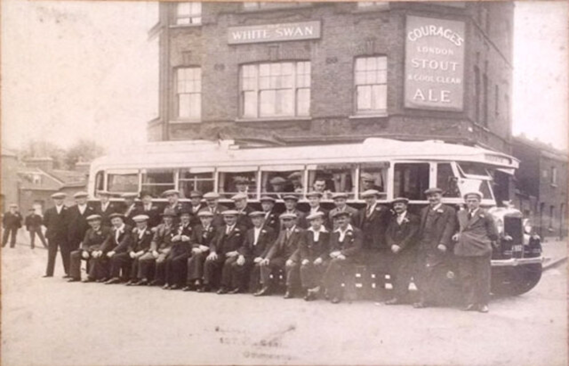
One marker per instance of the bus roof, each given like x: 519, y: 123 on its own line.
x: 211, y: 154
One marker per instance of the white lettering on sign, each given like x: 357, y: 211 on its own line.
x: 274, y: 32
x: 434, y: 64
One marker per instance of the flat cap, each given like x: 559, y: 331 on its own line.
x: 129, y: 195
x: 288, y: 215
x: 94, y: 217
x: 401, y: 199
x: 278, y: 180
x: 295, y: 175
x: 340, y: 213
x: 433, y: 190
x: 185, y: 211
x: 290, y: 197
x: 314, y: 194
x: 205, y: 213
x: 256, y: 213
x: 370, y: 193
x: 14, y: 205
x: 195, y: 194
x: 58, y: 195
x: 473, y: 193
x: 339, y: 195
x: 141, y: 218
x: 103, y: 193
x: 80, y: 194
x: 367, y: 177
x: 240, y: 179
x: 116, y: 214
x: 211, y: 195
x: 170, y: 192
x: 267, y: 198
x: 239, y: 196
x: 230, y: 213
x: 145, y: 193
x: 169, y: 212
x: 315, y: 215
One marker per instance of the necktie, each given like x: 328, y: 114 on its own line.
x: 288, y: 234
x: 469, y: 215
x: 228, y: 230
x: 369, y: 211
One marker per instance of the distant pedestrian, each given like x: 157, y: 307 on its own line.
x: 33, y: 225
x: 11, y: 222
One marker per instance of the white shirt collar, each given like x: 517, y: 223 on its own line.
x: 321, y: 230
x: 348, y: 228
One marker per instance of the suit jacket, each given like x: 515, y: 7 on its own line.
x: 444, y: 226
x: 251, y: 250
x: 33, y: 221
x: 300, y: 220
x: 476, y: 234
x: 12, y: 221
x: 217, y: 216
x: 111, y: 208
x: 179, y: 246
x: 129, y: 213
x: 225, y: 243
x: 163, y: 237
x: 94, y: 239
x: 326, y: 213
x: 153, y: 214
x: 119, y: 244
x: 56, y: 224
x: 286, y: 248
x: 141, y: 240
x: 195, y: 220
x: 404, y: 234
x: 373, y: 227
x: 243, y: 219
x: 352, y: 244
x: 272, y: 221
x: 201, y: 236
x: 349, y: 209
x: 78, y: 224
x: 310, y: 249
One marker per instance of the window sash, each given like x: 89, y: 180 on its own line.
x: 188, y: 13
x: 370, y: 79
x: 188, y: 93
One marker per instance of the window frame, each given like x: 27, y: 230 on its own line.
x: 177, y: 94
x: 372, y: 112
x: 176, y: 15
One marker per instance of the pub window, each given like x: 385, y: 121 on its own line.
x: 411, y: 180
x: 195, y: 179
x: 371, y: 85
x: 447, y: 181
x: 189, y: 13
x: 332, y: 178
x: 156, y: 181
x: 233, y: 180
x: 122, y: 182
x: 277, y: 181
x: 275, y: 90
x: 374, y: 176
x: 189, y: 93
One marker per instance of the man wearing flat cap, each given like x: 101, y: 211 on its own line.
x: 212, y: 201
x: 290, y: 203
x: 11, y: 223
x: 94, y: 238
x: 313, y: 255
x: 314, y: 198
x: 242, y: 185
x: 202, y: 236
x: 149, y: 209
x: 174, y: 204
x: 223, y: 252
x: 142, y: 236
x: 473, y: 249
x: 177, y: 259
x: 282, y: 256
x: 340, y: 201
x: 130, y: 208
x: 401, y: 238
x: 159, y: 248
x: 78, y: 225
x: 195, y: 206
x: 368, y: 183
x: 33, y: 223
x: 118, y: 242
x: 105, y: 207
x: 296, y: 181
x: 278, y: 187
x: 438, y: 224
x: 56, y: 220
x: 243, y: 210
x: 271, y: 216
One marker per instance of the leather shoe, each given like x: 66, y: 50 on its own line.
x: 73, y: 279
x: 235, y: 291
x: 166, y: 287
x: 47, y: 276
x: 262, y: 292
x: 469, y: 307
x: 142, y: 282
x: 204, y: 288
x: 288, y: 295
x: 483, y: 308
x: 88, y: 279
x: 394, y: 301
x: 66, y: 276
x: 221, y: 291
x: 310, y: 296
x: 175, y: 287
x: 112, y: 281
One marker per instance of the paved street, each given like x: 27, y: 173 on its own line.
x: 51, y: 322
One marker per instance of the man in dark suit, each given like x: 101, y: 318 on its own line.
x: 33, y: 225
x: 340, y: 200
x: 345, y: 245
x: 212, y: 201
x: 243, y: 210
x: 282, y: 256
x: 195, y: 207
x: 130, y: 208
x: 314, y: 255
x: 176, y: 260
x: 290, y: 202
x: 258, y: 241
x: 314, y: 199
x: 118, y: 242
x: 11, y: 223
x: 271, y: 218
x: 105, y: 207
x: 202, y: 236
x: 401, y: 238
x: 149, y: 209
x: 438, y: 224
x: 141, y: 239
x: 223, y: 252
x: 477, y: 231
x: 78, y: 225
x: 94, y: 238
x: 56, y: 220
x: 174, y: 204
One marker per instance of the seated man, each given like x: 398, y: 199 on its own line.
x: 119, y: 258
x: 314, y: 255
x: 345, y: 245
x: 177, y: 258
x: 141, y: 239
x: 94, y: 239
x: 223, y: 252
x: 118, y: 242
x: 202, y: 236
x: 258, y: 241
x: 159, y: 248
x: 283, y: 254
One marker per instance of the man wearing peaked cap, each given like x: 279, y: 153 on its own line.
x: 174, y: 204
x: 271, y: 218
x: 202, y: 236
x: 78, y: 225
x: 212, y: 201
x: 105, y: 207
x: 340, y: 200
x: 56, y: 220
x: 195, y: 206
x: 243, y: 210
x: 148, y: 208
x: 290, y: 202
x: 314, y: 199
x: 141, y: 239
x: 11, y: 223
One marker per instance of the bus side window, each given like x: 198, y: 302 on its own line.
x: 329, y: 179
x: 231, y: 183
x: 447, y: 181
x: 411, y: 180
x: 99, y: 181
x: 191, y: 180
x: 156, y: 181
x: 374, y: 176
x: 122, y: 183
x: 279, y: 183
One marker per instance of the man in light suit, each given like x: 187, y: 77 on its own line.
x: 477, y: 231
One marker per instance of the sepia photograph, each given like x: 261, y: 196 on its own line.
x: 284, y: 183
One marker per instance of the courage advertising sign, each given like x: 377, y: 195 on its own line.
x: 434, y: 64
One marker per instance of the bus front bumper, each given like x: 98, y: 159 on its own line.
x: 514, y: 262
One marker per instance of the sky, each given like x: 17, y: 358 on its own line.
x: 86, y: 69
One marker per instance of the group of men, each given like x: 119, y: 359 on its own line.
x: 204, y: 246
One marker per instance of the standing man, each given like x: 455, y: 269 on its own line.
x: 33, y: 225
x: 319, y: 185
x: 340, y: 200
x: 141, y: 239
x: 242, y: 185
x: 11, y: 222
x: 290, y: 202
x: 176, y: 260
x: 174, y: 204
x: 149, y: 209
x: 271, y: 217
x: 78, y: 224
x: 314, y: 198
x: 243, y: 210
x: 438, y: 224
x: 130, y: 208
x: 56, y: 220
x: 282, y: 256
x: 345, y: 246
x: 195, y: 206
x: 314, y: 255
x: 117, y: 243
x: 212, y: 201
x: 94, y: 238
x: 105, y: 207
x: 401, y: 238
x: 202, y: 236
x: 474, y: 252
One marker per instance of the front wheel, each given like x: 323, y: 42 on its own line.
x: 515, y: 281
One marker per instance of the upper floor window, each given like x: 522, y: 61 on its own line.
x: 189, y: 93
x: 371, y: 85
x: 275, y: 90
x: 189, y: 13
